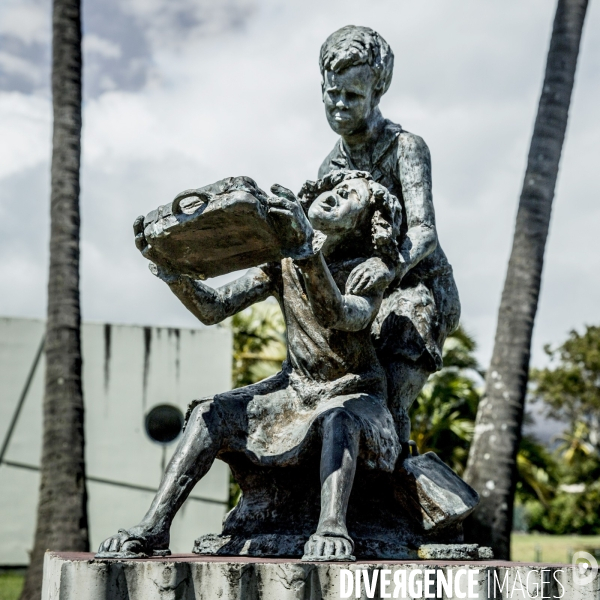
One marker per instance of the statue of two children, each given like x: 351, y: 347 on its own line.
x: 367, y: 312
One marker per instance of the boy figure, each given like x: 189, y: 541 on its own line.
x: 330, y: 397
x: 421, y: 306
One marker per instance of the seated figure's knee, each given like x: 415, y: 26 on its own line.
x: 339, y: 419
x: 201, y: 407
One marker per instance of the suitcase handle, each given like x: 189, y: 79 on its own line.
x: 204, y: 197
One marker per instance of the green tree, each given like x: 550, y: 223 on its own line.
x: 443, y: 420
x: 538, y: 475
x: 569, y: 390
x: 492, y: 463
x: 568, y: 512
x: 259, y: 344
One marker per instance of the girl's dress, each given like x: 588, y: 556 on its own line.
x: 274, y: 422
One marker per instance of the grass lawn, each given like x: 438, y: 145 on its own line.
x: 536, y: 547
x: 11, y: 583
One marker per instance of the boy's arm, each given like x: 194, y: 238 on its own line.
x: 371, y: 276
x: 332, y: 309
x: 414, y: 172
x: 211, y: 305
x: 414, y: 167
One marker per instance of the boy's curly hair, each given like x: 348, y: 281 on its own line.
x: 353, y: 45
x: 387, y: 212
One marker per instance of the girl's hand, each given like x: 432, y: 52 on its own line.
x: 291, y: 225
x: 141, y: 243
x: 167, y: 275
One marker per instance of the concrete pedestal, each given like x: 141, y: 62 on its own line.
x: 78, y: 576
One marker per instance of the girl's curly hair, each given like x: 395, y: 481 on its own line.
x: 387, y: 212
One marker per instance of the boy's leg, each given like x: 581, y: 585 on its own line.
x: 405, y: 382
x: 193, y: 458
x: 341, y: 436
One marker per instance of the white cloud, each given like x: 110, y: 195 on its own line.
x: 15, y: 65
x: 94, y: 44
x: 25, y: 42
x: 177, y: 22
x: 245, y: 99
x: 26, y: 19
x: 25, y: 123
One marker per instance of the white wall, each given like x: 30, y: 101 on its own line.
x: 127, y: 371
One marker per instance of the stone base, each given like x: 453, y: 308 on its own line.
x: 390, y: 515
x: 78, y: 576
x: 272, y: 545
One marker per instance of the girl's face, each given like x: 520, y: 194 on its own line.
x: 349, y: 99
x: 341, y: 210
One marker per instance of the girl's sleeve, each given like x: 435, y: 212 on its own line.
x: 212, y: 306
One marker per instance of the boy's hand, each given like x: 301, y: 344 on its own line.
x: 373, y: 275
x: 290, y: 223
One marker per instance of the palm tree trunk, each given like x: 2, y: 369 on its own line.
x: 491, y: 468
x: 62, y: 510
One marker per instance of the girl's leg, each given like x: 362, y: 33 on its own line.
x: 193, y: 458
x: 339, y: 454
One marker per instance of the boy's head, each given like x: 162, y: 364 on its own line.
x: 349, y: 204
x: 356, y: 68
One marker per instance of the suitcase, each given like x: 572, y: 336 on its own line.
x: 214, y: 230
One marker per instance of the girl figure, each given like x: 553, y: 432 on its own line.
x: 331, y: 393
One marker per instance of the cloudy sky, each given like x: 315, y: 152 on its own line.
x: 180, y: 93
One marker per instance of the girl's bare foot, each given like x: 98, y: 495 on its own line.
x: 137, y: 542
x: 328, y: 547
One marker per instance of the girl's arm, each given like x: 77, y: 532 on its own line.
x: 333, y: 309
x: 211, y: 305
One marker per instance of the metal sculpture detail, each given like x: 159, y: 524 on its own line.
x: 321, y: 450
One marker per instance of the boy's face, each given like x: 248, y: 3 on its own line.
x: 349, y: 98
x: 342, y: 209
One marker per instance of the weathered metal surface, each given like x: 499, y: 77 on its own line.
x: 390, y: 515
x: 320, y: 450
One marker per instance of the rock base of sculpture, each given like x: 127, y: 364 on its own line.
x: 271, y: 545
x: 77, y: 576
x: 398, y: 515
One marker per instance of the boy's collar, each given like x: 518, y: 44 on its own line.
x: 390, y: 132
